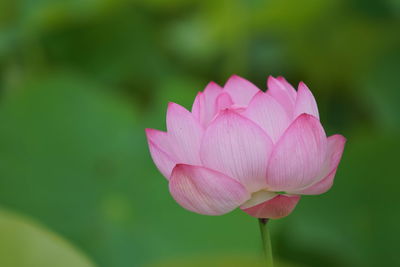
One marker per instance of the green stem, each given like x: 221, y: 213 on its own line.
x: 266, y: 242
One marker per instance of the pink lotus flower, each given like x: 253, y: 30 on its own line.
x: 242, y: 147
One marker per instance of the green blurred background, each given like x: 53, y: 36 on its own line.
x: 81, y: 79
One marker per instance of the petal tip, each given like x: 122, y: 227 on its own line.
x: 212, y: 84
x: 236, y: 78
x: 172, y: 104
x: 303, y: 86
x: 176, y: 108
x: 233, y: 78
x: 341, y: 137
x: 306, y: 117
x: 150, y: 133
x: 271, y: 79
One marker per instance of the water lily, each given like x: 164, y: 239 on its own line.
x: 240, y: 147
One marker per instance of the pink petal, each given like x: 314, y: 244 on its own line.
x: 287, y: 86
x: 278, y: 207
x: 204, y: 108
x: 305, y: 102
x: 205, y: 191
x: 298, y: 156
x: 241, y: 90
x: 223, y: 101
x: 196, y: 107
x: 160, y: 139
x: 269, y: 114
x: 184, y: 134
x: 334, y: 154
x: 278, y: 90
x: 234, y: 145
x: 164, y: 162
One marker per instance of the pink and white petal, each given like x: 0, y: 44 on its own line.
x: 320, y: 187
x: 336, y: 145
x: 204, y: 105
x: 236, y: 146
x: 305, y: 102
x: 184, y: 134
x: 334, y: 154
x: 287, y: 86
x: 211, y: 92
x: 158, y: 146
x: 278, y: 207
x: 205, y: 191
x: 258, y: 198
x: 196, y: 107
x: 299, y: 155
x: 241, y: 90
x: 269, y: 114
x: 278, y: 90
x: 223, y: 101
x: 164, y: 162
x: 160, y: 139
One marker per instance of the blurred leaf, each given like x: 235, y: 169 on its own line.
x: 382, y: 92
x: 24, y: 243
x: 220, y: 261
x: 66, y: 145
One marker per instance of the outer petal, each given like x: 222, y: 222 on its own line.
x: 269, y: 114
x: 196, y: 107
x: 241, y: 90
x: 204, y: 108
x: 278, y: 207
x: 287, y: 86
x: 234, y: 145
x: 305, y: 102
x: 184, y: 134
x: 334, y: 154
x: 205, y: 191
x: 164, y: 161
x: 278, y: 90
x: 298, y: 156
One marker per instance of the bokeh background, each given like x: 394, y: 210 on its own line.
x: 81, y: 79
